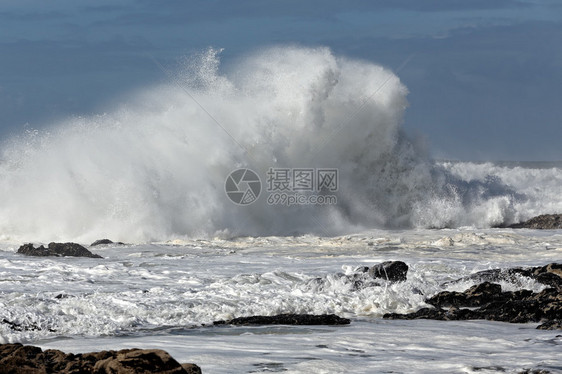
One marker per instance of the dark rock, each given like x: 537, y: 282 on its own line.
x: 105, y: 242
x: 287, y: 319
x: 19, y: 327
x: 191, y: 368
x: 487, y: 301
x: 17, y: 358
x: 555, y: 324
x: 542, y: 222
x: 474, y: 296
x: 27, y: 326
x: 57, y: 250
x: 515, y: 306
x: 550, y: 275
x: 394, y: 271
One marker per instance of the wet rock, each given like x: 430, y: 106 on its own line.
x: 487, y: 301
x: 17, y: 358
x: 555, y: 324
x: 550, y: 275
x: 57, y: 250
x: 14, y: 326
x: 515, y: 306
x: 542, y: 222
x: 105, y: 242
x: 287, y: 319
x: 475, y: 296
x: 394, y: 271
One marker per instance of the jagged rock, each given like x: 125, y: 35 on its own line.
x: 394, y: 271
x: 515, y: 306
x: 17, y: 358
x: 550, y: 275
x: 57, y: 250
x: 542, y: 222
x: 487, y: 301
x: 287, y: 319
x: 475, y: 296
x: 105, y: 242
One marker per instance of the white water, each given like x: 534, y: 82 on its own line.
x: 160, y: 295
x: 155, y: 167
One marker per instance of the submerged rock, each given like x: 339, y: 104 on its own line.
x: 27, y: 326
x: 17, y: 358
x: 487, y: 301
x: 287, y: 319
x: 542, y: 222
x: 57, y: 250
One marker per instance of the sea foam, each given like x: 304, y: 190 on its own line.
x: 155, y: 167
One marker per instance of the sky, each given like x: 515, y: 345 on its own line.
x: 484, y: 76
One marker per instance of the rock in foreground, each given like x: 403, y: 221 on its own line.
x: 57, y: 250
x: 17, y: 358
x: 287, y: 319
x: 542, y: 222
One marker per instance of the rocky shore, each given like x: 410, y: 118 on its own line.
x: 542, y: 222
x: 486, y: 300
x: 26, y: 359
x: 57, y: 250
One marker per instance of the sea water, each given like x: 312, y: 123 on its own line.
x: 167, y: 295
x: 153, y: 172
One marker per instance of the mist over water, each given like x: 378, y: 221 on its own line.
x: 155, y: 168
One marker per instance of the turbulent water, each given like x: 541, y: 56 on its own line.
x: 155, y: 167
x: 166, y: 295
x: 153, y: 173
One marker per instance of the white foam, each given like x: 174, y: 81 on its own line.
x: 155, y: 168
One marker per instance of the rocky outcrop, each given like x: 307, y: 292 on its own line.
x: 550, y: 275
x: 393, y: 271
x: 487, y: 301
x: 17, y: 358
x: 57, y: 250
x: 105, y: 242
x: 542, y: 222
x: 287, y: 319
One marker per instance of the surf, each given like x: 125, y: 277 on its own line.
x: 155, y: 167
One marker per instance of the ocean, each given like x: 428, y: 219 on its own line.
x: 255, y: 190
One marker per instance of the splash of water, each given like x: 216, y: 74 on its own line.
x: 155, y: 168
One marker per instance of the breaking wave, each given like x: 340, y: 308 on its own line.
x: 155, y: 168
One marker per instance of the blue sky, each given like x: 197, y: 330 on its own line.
x: 484, y: 76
